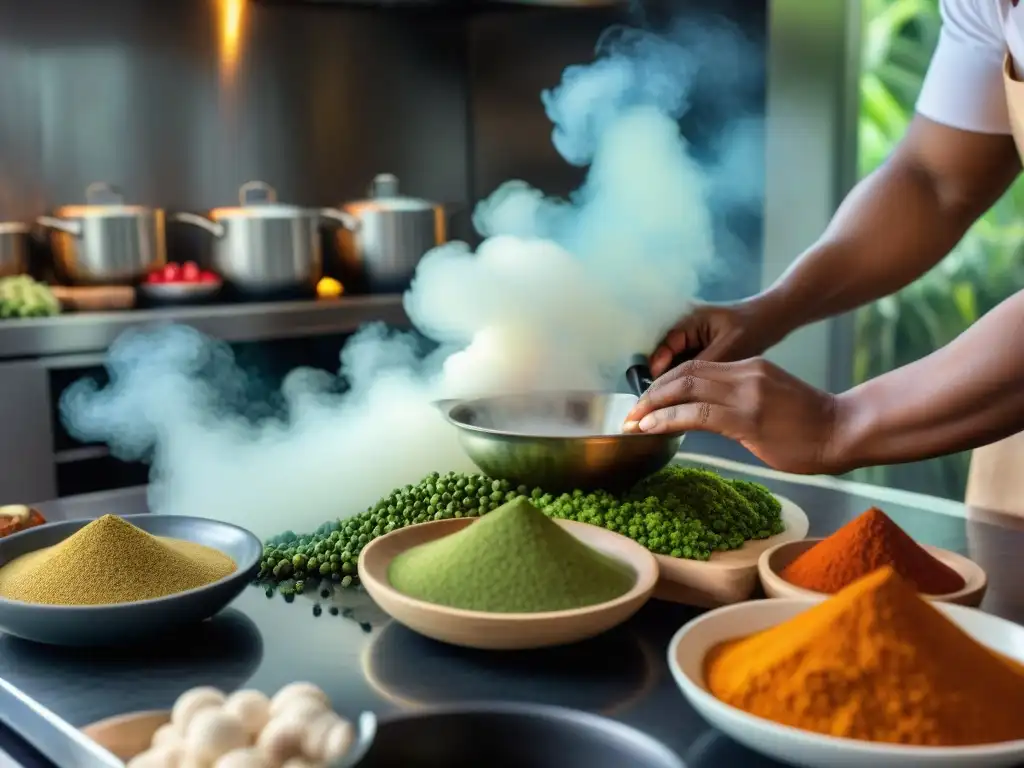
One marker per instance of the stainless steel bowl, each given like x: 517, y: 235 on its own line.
x: 559, y: 441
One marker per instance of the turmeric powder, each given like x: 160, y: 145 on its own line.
x: 875, y: 663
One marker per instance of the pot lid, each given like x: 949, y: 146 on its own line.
x: 101, y: 200
x: 384, y: 196
x: 13, y: 228
x: 258, y: 200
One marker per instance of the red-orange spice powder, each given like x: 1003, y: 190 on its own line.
x: 866, y: 544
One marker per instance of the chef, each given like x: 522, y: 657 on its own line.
x: 959, y: 155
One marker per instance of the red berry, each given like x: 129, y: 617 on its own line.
x: 172, y: 273
x: 155, y: 278
x: 208, y: 277
x: 190, y: 272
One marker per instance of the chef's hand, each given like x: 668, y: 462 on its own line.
x: 723, y: 332
x: 783, y: 421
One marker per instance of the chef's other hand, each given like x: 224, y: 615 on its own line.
x: 721, y: 333
x: 785, y: 422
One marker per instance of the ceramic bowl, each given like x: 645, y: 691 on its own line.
x: 772, y: 562
x: 494, y: 735
x: 728, y: 577
x: 127, y: 736
x: 504, y: 631
x: 126, y: 623
x: 792, y: 746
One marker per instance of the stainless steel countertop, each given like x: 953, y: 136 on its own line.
x: 87, y: 332
x: 365, y: 661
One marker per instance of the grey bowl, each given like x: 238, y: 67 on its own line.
x: 559, y: 441
x: 124, y: 623
x: 512, y: 736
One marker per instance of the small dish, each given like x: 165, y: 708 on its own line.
x: 513, y: 734
x: 772, y: 562
x: 691, y: 644
x: 127, y: 736
x: 180, y: 292
x: 124, y: 623
x: 728, y: 577
x: 504, y: 631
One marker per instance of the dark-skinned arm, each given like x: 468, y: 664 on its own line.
x: 896, y: 224
x: 967, y: 394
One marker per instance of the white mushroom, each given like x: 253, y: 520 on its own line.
x: 243, y: 758
x: 281, y: 739
x: 252, y: 708
x: 291, y: 690
x: 213, y: 733
x: 190, y: 702
x: 167, y: 735
x: 158, y: 757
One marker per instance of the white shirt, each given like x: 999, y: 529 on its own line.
x: 964, y: 85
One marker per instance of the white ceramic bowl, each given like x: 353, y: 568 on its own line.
x: 773, y: 561
x: 691, y: 644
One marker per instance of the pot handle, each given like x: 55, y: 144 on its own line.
x: 256, y: 192
x: 67, y: 226
x: 347, y: 220
x: 215, y: 228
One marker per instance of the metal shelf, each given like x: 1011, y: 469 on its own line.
x: 81, y: 333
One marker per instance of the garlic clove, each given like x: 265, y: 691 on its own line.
x: 213, y: 733
x: 243, y: 758
x: 252, y: 708
x: 167, y: 735
x: 281, y: 739
x: 190, y: 702
x: 338, y: 742
x: 301, y: 708
x: 316, y: 733
x: 291, y: 690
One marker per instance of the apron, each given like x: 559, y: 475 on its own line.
x: 995, y: 481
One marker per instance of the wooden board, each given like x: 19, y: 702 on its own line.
x: 728, y: 577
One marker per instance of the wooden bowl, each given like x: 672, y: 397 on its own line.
x: 728, y: 577
x: 126, y: 736
x: 504, y: 631
x: 774, y: 560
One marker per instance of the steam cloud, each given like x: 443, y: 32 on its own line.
x: 559, y: 295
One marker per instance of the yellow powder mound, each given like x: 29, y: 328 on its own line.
x: 877, y: 663
x: 111, y: 561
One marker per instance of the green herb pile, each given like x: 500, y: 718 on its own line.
x: 679, y: 511
x: 21, y: 296
x: 515, y: 560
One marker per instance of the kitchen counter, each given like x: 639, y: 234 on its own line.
x: 364, y: 661
x: 85, y: 332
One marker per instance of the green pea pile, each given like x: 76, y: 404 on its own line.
x: 680, y: 511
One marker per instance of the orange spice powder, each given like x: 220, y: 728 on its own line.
x: 864, y: 545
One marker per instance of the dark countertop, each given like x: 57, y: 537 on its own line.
x: 365, y: 662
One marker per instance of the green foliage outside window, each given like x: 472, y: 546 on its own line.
x: 984, y: 269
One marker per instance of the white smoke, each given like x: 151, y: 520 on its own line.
x: 559, y: 295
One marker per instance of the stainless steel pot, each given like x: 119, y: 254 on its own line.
x: 13, y: 248
x: 263, y: 245
x: 393, y: 235
x: 106, y: 241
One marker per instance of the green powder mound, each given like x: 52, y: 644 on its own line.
x: 513, y: 560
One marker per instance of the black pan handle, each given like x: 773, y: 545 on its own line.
x: 638, y: 375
